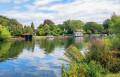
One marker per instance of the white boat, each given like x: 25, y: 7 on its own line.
x: 50, y: 36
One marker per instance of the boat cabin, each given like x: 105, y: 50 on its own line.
x: 78, y: 33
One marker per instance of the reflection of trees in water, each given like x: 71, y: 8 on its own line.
x: 13, y: 49
x: 50, y: 44
x: 30, y: 45
x: 4, y: 47
x: 76, y: 41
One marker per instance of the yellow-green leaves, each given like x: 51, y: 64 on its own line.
x: 4, y: 33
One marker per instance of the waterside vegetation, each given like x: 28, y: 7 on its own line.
x: 67, y: 28
x: 102, y: 58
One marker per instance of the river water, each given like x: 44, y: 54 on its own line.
x: 37, y: 58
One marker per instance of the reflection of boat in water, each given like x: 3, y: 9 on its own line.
x: 78, y: 39
x: 50, y: 37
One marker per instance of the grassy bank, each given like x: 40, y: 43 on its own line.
x: 39, y: 36
x: 113, y: 75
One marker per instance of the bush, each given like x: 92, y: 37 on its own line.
x: 92, y: 69
x: 101, y: 53
x: 115, y: 42
x: 112, y: 63
x: 96, y: 49
x: 4, y: 33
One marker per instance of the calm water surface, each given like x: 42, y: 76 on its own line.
x: 38, y: 58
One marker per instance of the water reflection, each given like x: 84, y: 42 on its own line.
x: 37, y: 58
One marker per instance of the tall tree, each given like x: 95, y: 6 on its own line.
x: 106, y: 24
x: 25, y: 26
x: 71, y: 25
x: 93, y: 27
x: 32, y: 26
x: 40, y: 26
x: 28, y: 30
x: 47, y: 21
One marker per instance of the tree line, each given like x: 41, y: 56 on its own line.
x: 13, y: 27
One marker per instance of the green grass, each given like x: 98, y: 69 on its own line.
x: 113, y: 75
x: 39, y: 36
x: 14, y: 36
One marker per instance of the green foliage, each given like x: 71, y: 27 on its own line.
x: 92, y: 69
x: 48, y: 30
x: 74, y: 54
x: 71, y: 25
x: 115, y: 42
x: 61, y: 26
x: 89, y: 32
x: 93, y: 27
x: 4, y: 33
x: 4, y: 47
x: 13, y: 25
x: 97, y: 62
x: 101, y: 53
x: 115, y: 25
x: 48, y: 22
x: 115, y: 29
x: 106, y: 24
x: 28, y: 29
x: 97, y: 48
x: 25, y: 26
x: 32, y: 26
x: 40, y: 26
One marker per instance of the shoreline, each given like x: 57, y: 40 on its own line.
x: 34, y: 38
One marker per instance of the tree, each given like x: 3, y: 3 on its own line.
x: 71, y: 25
x: 93, y: 27
x: 25, y: 26
x: 115, y: 29
x: 13, y: 25
x: 40, y: 26
x: 106, y: 24
x: 47, y: 21
x: 32, y: 26
x: 46, y: 29
x: 61, y: 27
x: 28, y: 30
x: 4, y: 33
x: 115, y: 25
x: 52, y: 27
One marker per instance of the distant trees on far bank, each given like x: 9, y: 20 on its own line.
x: 48, y: 27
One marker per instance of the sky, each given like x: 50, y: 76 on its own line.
x: 27, y: 11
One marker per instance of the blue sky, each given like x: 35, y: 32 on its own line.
x: 27, y: 11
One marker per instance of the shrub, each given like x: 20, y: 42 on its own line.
x: 101, y: 53
x: 92, y: 69
x: 74, y: 54
x: 115, y: 42
x: 96, y: 49
x: 4, y: 33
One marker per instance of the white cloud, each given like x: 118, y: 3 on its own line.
x: 17, y: 7
x: 43, y: 2
x: 5, y: 1
x: 20, y: 1
x: 85, y: 10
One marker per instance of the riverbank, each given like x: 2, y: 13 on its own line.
x: 36, y: 37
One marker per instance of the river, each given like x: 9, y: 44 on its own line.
x: 37, y: 58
